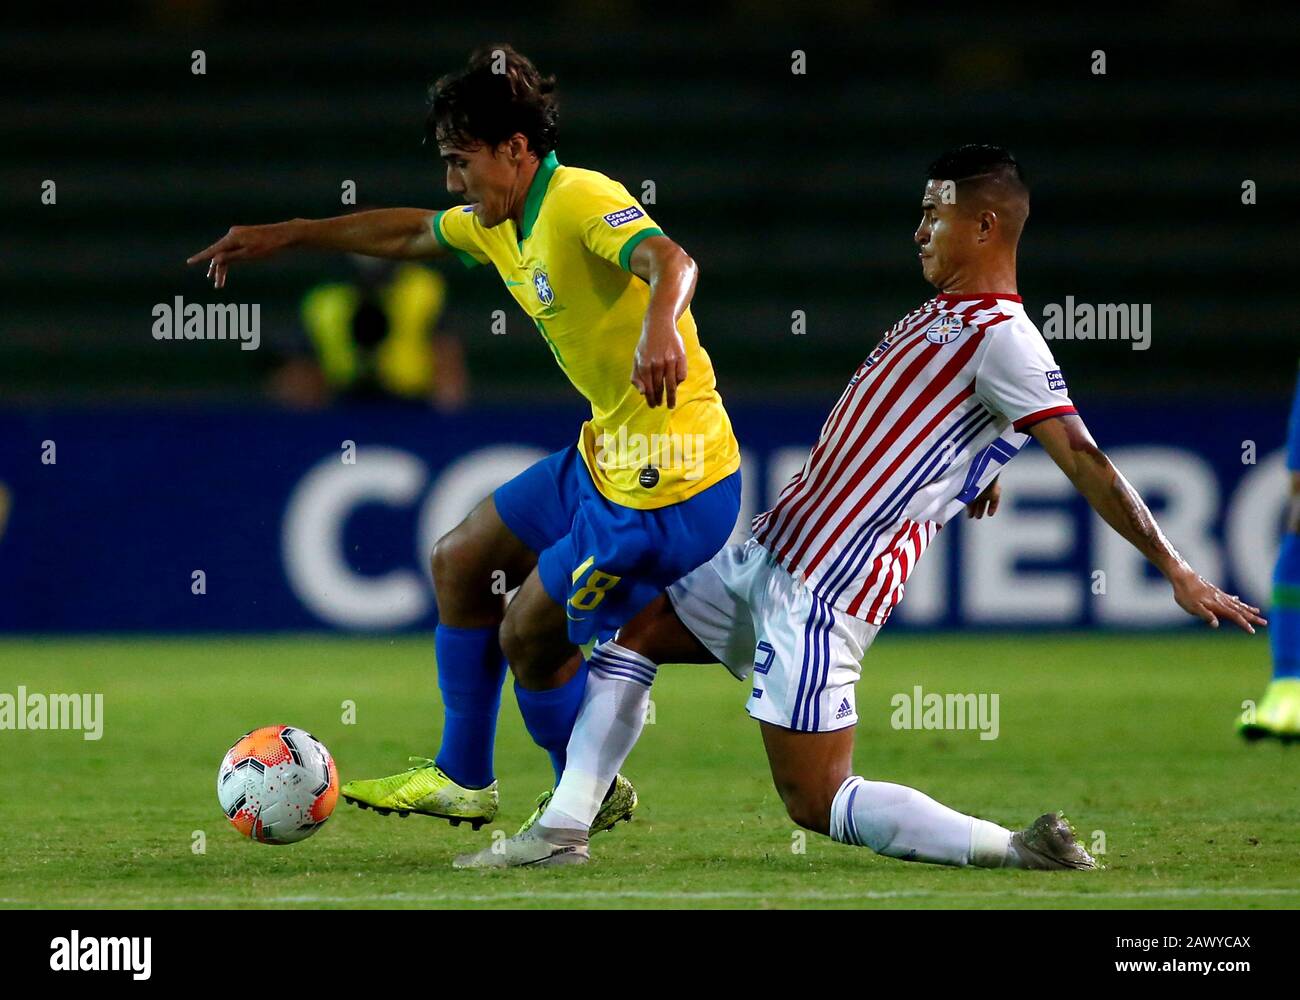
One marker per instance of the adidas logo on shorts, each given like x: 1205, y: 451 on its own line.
x: 844, y: 710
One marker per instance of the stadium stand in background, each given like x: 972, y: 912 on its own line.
x: 794, y: 192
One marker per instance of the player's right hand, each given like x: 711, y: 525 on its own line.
x: 243, y: 243
x: 1202, y: 599
x: 987, y: 502
x: 659, y: 366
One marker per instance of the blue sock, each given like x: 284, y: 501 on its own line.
x: 550, y: 715
x: 1284, y: 616
x: 471, y: 671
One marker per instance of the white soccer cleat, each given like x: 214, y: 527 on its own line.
x: 530, y: 848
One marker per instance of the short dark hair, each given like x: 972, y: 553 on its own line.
x: 977, y: 160
x: 497, y: 94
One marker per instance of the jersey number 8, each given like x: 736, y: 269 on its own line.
x: 598, y: 584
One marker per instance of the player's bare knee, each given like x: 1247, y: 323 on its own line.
x: 525, y: 653
x: 514, y: 648
x: 657, y: 633
x: 448, y: 555
x: 458, y: 571
x: 807, y: 806
x: 639, y: 633
x: 532, y: 665
x: 811, y: 814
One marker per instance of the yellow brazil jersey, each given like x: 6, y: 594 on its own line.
x: 567, y: 266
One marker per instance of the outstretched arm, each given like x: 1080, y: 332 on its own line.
x: 660, y: 363
x: 1067, y: 440
x: 402, y: 233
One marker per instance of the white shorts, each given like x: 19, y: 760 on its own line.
x: 804, y: 655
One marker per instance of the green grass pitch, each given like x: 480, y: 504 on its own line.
x: 1131, y: 736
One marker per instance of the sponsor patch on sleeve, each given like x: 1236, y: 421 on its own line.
x: 1055, y: 381
x: 616, y: 219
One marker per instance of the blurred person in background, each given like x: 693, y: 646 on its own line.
x: 376, y: 336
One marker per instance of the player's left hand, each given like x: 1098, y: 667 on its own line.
x: 987, y: 502
x: 1202, y: 599
x: 660, y: 364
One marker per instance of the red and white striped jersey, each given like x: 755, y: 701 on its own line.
x: 924, y: 425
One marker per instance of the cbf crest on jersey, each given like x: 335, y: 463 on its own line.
x: 542, y: 285
x: 944, y: 330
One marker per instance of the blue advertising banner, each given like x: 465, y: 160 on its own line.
x: 265, y: 520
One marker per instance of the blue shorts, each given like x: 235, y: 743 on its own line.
x: 601, y: 561
x: 1293, y: 433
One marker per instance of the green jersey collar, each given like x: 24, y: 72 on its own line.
x: 536, y: 192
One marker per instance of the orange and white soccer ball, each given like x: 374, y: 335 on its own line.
x: 278, y: 785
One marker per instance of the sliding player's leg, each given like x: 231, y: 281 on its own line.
x: 812, y: 772
x: 808, y: 770
x: 808, y: 662
x: 699, y: 620
x: 713, y: 625
x: 1278, y: 712
x: 591, y: 796
x: 612, y: 563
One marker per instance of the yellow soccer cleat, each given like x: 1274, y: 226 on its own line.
x: 1277, y: 715
x: 619, y: 805
x: 425, y: 789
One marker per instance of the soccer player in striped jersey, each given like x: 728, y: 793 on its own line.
x: 594, y: 533
x: 1278, y: 713
x: 954, y: 390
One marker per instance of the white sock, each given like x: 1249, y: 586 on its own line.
x: 900, y: 822
x: 609, y: 722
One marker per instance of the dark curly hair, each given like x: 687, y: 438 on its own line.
x: 497, y: 94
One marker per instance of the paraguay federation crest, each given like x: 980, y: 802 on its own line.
x: 944, y: 330
x: 542, y: 285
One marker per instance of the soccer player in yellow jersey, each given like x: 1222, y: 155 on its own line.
x: 592, y: 534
